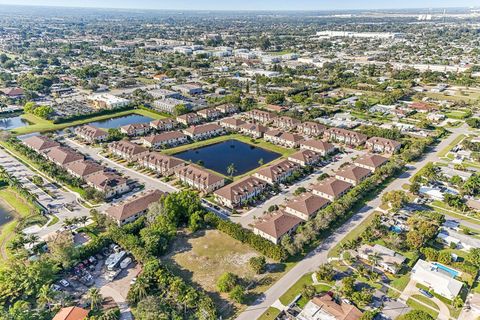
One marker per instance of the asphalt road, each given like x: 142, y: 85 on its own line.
x: 319, y: 255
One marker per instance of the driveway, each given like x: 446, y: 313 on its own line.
x: 118, y: 289
x: 411, y: 289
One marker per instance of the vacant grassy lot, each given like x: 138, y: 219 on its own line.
x: 42, y: 125
x: 201, y: 258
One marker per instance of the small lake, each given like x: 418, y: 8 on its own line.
x: 120, y: 121
x: 13, y: 123
x: 219, y: 156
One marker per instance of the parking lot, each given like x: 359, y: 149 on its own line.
x: 113, y: 280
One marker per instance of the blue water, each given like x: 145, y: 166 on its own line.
x: 451, y: 272
x: 396, y: 229
x: 120, y: 121
x: 219, y: 156
x: 13, y: 123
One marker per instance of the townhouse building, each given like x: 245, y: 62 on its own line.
x: 240, y: 192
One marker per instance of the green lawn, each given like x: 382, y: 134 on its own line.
x: 42, y: 125
x: 352, y: 235
x: 417, y: 306
x: 442, y: 208
x: 401, y: 282
x: 270, y: 314
x: 456, y: 114
x: 296, y: 289
x: 452, y: 144
x: 20, y: 208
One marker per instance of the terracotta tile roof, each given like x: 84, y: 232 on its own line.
x: 161, y: 160
x: 106, y: 180
x: 63, y: 155
x: 163, y: 122
x: 195, y: 173
x: 194, y: 130
x: 317, y: 144
x: 384, y: 142
x: 233, y: 122
x: 127, y: 147
x: 158, y: 138
x: 71, y: 313
x: 346, y: 133
x: 40, y: 143
x: 241, y: 187
x: 277, y: 224
x: 274, y: 170
x: 332, y: 187
x: 340, y: 311
x: 371, y: 160
x: 90, y: 131
x: 306, y: 156
x: 254, y: 127
x: 307, y: 203
x: 353, y: 172
x: 134, y: 205
x: 291, y: 137
x: 84, y: 168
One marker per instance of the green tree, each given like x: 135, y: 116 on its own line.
x: 237, y: 294
x: 258, y: 264
x: 226, y: 282
x: 95, y: 298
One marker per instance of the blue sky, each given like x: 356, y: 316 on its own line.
x: 251, y: 4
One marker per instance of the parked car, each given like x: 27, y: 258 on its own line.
x: 125, y: 262
x: 64, y: 283
x: 426, y: 293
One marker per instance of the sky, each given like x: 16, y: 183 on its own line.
x: 250, y: 4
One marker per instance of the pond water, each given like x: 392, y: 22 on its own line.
x: 219, y: 156
x: 13, y: 123
x: 5, y: 213
x: 120, y: 121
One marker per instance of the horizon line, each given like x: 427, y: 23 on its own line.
x: 232, y: 10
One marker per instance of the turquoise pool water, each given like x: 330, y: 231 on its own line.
x: 451, y: 272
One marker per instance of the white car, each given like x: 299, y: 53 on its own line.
x: 125, y: 262
x: 64, y: 283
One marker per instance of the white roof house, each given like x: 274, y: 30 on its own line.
x: 437, y: 277
x: 463, y: 241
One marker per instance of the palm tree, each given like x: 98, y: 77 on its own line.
x: 32, y: 239
x: 139, y: 290
x: 374, y: 258
x: 261, y: 162
x: 231, y: 169
x: 83, y: 220
x: 95, y: 298
x: 46, y: 296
